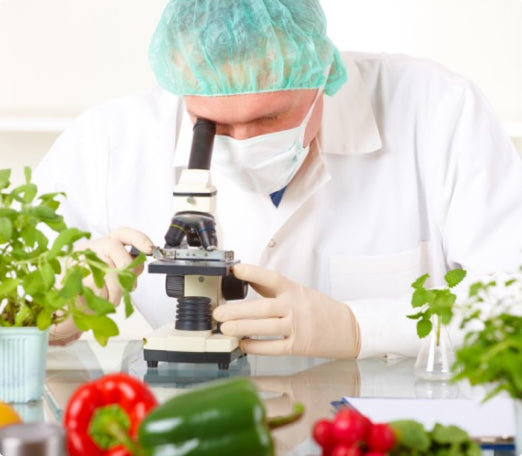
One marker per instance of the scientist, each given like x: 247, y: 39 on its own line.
x: 341, y: 177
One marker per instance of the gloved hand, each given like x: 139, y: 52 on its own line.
x: 310, y: 323
x: 110, y: 249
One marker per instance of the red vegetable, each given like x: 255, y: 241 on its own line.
x: 323, y: 434
x: 380, y: 438
x: 126, y: 399
x: 350, y: 426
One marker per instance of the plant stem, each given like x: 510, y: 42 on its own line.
x: 437, y: 330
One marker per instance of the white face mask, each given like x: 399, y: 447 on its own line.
x: 265, y: 163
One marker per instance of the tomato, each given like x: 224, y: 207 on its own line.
x: 350, y: 426
x: 380, y: 438
x: 323, y: 435
x: 342, y: 449
x: 8, y: 415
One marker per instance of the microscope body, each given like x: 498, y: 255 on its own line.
x: 198, y: 275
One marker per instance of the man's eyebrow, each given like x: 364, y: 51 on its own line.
x: 269, y: 115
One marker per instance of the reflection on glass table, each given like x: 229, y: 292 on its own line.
x: 281, y: 382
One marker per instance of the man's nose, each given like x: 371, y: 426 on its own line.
x: 238, y: 131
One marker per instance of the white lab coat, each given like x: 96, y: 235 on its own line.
x: 411, y: 173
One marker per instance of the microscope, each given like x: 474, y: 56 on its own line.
x: 198, y: 274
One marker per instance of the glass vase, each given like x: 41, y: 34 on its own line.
x: 436, y: 354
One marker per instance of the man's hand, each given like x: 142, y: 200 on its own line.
x: 110, y: 249
x: 310, y: 323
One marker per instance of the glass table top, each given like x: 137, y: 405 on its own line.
x: 281, y: 381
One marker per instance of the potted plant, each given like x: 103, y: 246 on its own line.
x: 41, y: 284
x: 435, y: 311
x: 491, y: 353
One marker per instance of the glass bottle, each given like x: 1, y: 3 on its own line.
x: 436, y: 354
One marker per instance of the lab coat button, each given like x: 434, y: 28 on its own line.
x: 272, y: 243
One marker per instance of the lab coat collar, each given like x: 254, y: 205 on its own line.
x: 348, y: 126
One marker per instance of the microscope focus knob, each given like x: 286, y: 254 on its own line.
x: 233, y: 288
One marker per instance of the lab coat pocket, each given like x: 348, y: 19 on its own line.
x: 377, y: 276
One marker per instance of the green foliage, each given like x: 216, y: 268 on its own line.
x: 442, y: 440
x: 437, y: 302
x: 492, y: 349
x: 42, y: 283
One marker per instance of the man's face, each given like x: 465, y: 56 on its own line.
x: 245, y: 116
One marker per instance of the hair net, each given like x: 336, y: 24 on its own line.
x: 230, y: 47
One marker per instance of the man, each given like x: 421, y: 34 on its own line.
x: 334, y: 204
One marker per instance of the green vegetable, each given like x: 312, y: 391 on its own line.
x: 40, y: 281
x: 434, y: 302
x: 226, y: 418
x: 413, y: 439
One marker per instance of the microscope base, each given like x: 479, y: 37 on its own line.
x: 222, y: 359
x: 175, y: 346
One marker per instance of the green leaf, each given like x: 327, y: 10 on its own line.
x: 28, y: 174
x: 7, y: 286
x: 129, y: 308
x: 411, y: 434
x: 98, y: 275
x: 140, y: 259
x: 25, y: 193
x: 72, y: 283
x: 48, y: 275
x: 6, y: 230
x: 454, y: 277
x: 419, y: 283
x: 420, y: 297
x: 66, y: 238
x: 81, y: 321
x: 43, y: 213
x: 43, y: 320
x: 449, y: 434
x: 5, y: 174
x: 127, y: 280
x: 424, y: 327
x: 33, y: 283
x: 96, y: 303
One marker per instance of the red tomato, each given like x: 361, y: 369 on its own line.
x: 380, y: 438
x: 350, y: 426
x: 342, y: 449
x: 323, y: 435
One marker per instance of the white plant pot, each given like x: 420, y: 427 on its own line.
x: 23, y: 353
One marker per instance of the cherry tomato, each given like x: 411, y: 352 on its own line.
x: 342, y: 449
x: 350, y: 426
x: 323, y: 435
x: 381, y: 438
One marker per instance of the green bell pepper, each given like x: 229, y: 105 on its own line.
x: 224, y: 418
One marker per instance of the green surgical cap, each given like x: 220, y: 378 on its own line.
x: 231, y: 47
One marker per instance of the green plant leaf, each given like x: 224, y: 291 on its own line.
x: 66, y: 238
x: 419, y: 283
x: 97, y: 304
x: 44, y: 320
x: 7, y: 286
x: 5, y: 174
x: 72, y: 283
x: 33, y: 283
x: 6, y: 230
x: 424, y: 327
x: 449, y: 434
x: 420, y: 297
x: 48, y: 275
x: 127, y: 280
x: 25, y: 193
x: 129, y: 308
x: 28, y: 174
x: 454, y: 277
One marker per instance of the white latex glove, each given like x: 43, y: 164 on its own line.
x: 110, y: 249
x: 310, y: 323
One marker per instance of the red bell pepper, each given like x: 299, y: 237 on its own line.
x: 125, y: 400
